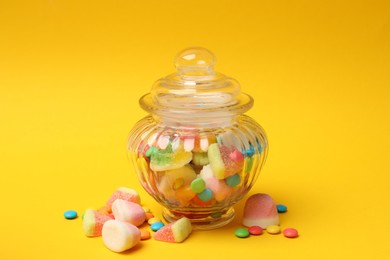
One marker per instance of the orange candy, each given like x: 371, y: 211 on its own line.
x: 148, y: 215
x: 196, y: 201
x: 105, y: 210
x: 145, y: 235
x: 184, y: 195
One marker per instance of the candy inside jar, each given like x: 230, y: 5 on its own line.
x: 196, y: 152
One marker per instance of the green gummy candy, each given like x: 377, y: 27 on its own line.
x: 166, y: 159
x: 161, y: 157
x: 152, y: 150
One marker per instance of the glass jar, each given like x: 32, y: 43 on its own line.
x: 196, y: 153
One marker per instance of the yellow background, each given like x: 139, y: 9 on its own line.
x: 71, y: 74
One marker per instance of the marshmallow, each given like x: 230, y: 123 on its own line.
x: 219, y: 188
x: 93, y: 222
x: 260, y: 210
x: 129, y: 212
x: 119, y: 236
x: 175, y: 232
x: 124, y: 194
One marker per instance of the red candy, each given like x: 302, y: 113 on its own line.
x: 290, y: 232
x: 236, y: 156
x: 255, y: 230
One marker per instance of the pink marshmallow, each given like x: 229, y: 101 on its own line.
x: 260, y: 210
x: 128, y: 212
x: 219, y: 188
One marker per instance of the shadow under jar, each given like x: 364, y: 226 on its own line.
x: 196, y: 153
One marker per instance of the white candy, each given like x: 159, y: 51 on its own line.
x: 120, y: 236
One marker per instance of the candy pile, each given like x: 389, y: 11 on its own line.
x: 119, y: 222
x: 260, y: 212
x: 195, y: 170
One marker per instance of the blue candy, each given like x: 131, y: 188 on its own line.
x: 156, y: 226
x: 250, y: 152
x: 205, y: 195
x: 281, y: 208
x: 70, y: 214
x: 233, y: 180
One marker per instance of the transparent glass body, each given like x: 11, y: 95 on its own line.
x: 196, y: 153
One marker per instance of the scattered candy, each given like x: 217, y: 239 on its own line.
x: 145, y: 235
x: 70, y: 214
x: 149, y: 215
x: 119, y: 236
x: 241, y: 233
x: 255, y: 230
x: 124, y: 194
x: 128, y: 212
x: 290, y: 233
x: 146, y: 209
x: 105, y: 210
x: 198, y: 185
x: 153, y: 220
x: 93, y: 222
x: 281, y: 208
x: 175, y: 232
x: 260, y: 210
x: 156, y: 226
x: 273, y: 229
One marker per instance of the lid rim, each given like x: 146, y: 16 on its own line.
x: 238, y: 108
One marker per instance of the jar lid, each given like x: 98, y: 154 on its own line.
x: 196, y: 88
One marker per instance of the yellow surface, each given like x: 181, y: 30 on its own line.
x: 71, y: 73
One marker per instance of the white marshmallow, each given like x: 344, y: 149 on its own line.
x: 120, y: 236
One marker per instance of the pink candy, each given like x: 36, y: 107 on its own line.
x: 236, y: 156
x: 124, y: 194
x: 290, y: 232
x: 128, y: 212
x: 260, y: 210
